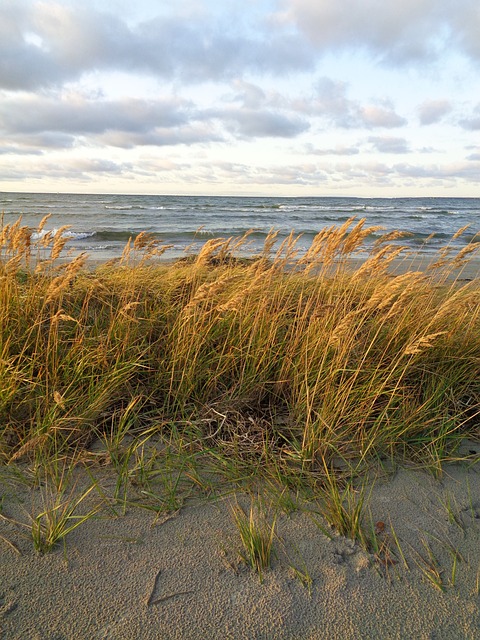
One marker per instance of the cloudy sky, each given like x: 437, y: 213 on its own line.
x: 254, y: 97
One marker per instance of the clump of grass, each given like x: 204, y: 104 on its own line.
x: 59, y: 515
x: 58, y: 519
x: 343, y: 507
x: 257, y: 535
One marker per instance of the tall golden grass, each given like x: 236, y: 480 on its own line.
x: 307, y: 356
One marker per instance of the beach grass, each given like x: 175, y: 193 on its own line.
x: 257, y: 534
x: 276, y: 366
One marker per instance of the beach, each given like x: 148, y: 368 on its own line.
x: 180, y: 575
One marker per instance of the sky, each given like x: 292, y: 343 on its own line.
x: 241, y: 97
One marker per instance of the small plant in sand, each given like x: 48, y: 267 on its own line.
x: 169, y: 495
x: 303, y: 576
x: 58, y: 519
x: 343, y: 507
x: 120, y: 447
x: 453, y: 510
x: 257, y: 534
x: 426, y: 560
x: 299, y: 569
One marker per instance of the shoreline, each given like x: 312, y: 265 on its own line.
x: 469, y: 270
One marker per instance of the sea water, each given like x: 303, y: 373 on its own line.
x: 102, y: 224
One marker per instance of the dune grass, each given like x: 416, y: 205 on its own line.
x: 257, y: 534
x: 277, y: 365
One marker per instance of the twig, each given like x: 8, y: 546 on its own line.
x: 149, y: 601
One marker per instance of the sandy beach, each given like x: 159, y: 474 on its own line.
x: 180, y: 575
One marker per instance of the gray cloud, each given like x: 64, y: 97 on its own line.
x: 450, y: 172
x: 400, y: 32
x: 252, y: 123
x: 19, y: 151
x: 432, y: 111
x: 162, y: 136
x: 387, y: 144
x: 465, y: 27
x: 253, y: 112
x: 47, y: 44
x: 296, y: 174
x: 37, y: 143
x: 250, y: 95
x: 336, y: 151
x: 77, y: 169
x: 473, y: 122
x: 48, y: 122
x: 332, y: 102
x: 97, y: 166
x: 152, y: 170
x: 75, y: 114
x: 344, y: 172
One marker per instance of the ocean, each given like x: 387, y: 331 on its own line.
x: 102, y: 224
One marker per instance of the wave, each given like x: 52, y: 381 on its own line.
x: 136, y: 207
x: 307, y: 229
x: 118, y: 207
x: 74, y: 235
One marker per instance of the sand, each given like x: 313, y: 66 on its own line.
x: 180, y: 576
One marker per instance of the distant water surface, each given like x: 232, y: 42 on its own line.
x: 102, y: 224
